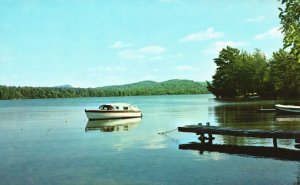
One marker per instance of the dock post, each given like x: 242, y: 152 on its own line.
x: 202, y: 138
x: 210, y: 139
x: 297, y: 143
x: 275, y: 142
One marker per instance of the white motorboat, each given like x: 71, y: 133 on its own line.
x: 287, y: 109
x: 114, y: 111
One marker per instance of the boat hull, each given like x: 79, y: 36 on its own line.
x: 282, y: 109
x: 101, y: 115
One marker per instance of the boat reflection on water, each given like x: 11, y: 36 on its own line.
x: 288, y: 118
x: 112, y: 124
x: 249, y: 151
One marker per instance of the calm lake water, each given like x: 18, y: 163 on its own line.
x: 50, y: 141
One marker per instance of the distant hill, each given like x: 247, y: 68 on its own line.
x: 147, y: 83
x: 64, y: 86
x: 144, y: 88
x: 158, y: 88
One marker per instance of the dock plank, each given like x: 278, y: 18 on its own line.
x: 279, y: 134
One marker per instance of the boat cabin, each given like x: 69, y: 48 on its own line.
x: 114, y: 111
x: 115, y: 107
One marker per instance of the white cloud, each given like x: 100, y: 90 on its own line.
x: 270, y: 34
x: 152, y: 49
x: 210, y: 33
x: 157, y: 57
x: 5, y: 58
x: 107, y: 69
x: 151, y: 52
x: 149, y: 77
x: 131, y: 54
x: 166, y: 1
x: 255, y: 19
x: 120, y: 44
x: 219, y: 45
x: 184, y: 68
x: 2, y: 59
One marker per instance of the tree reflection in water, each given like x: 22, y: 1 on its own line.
x: 245, y: 115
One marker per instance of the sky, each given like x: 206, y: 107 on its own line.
x: 94, y: 43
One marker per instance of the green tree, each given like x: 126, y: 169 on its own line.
x: 262, y: 82
x: 223, y: 84
x: 285, y: 74
x: 239, y: 74
x: 290, y: 20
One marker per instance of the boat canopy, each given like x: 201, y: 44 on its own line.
x: 118, y: 106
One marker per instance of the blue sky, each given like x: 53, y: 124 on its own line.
x: 92, y: 43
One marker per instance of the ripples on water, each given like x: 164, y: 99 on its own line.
x: 51, y: 141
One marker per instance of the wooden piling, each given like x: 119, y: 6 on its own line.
x: 202, y: 138
x: 210, y: 138
x: 275, y: 142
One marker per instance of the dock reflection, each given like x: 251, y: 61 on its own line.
x: 251, y: 151
x: 112, y: 125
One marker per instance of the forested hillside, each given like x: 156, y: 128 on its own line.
x: 135, y: 89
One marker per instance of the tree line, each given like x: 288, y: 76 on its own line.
x: 137, y: 89
x: 241, y: 74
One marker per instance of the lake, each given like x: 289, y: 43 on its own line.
x: 50, y: 141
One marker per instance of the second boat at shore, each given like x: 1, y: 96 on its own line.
x: 287, y: 109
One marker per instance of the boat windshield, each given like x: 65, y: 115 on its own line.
x: 106, y: 107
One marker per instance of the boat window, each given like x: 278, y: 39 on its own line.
x: 110, y: 107
x: 106, y: 107
x: 117, y: 107
x: 125, y: 108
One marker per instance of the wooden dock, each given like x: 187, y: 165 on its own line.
x: 210, y: 130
